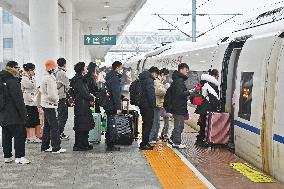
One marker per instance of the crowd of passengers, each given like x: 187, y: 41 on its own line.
x: 34, y: 113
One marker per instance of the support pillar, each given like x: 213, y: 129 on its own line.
x: 43, y: 17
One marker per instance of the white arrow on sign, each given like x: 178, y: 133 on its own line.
x: 88, y: 39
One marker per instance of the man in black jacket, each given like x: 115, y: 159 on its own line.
x: 113, y: 86
x: 179, y: 96
x: 148, y: 103
x: 13, y: 115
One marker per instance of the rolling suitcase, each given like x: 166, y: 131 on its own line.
x: 218, y: 128
x: 104, y: 124
x: 123, y: 126
x: 135, y: 116
x: 95, y: 134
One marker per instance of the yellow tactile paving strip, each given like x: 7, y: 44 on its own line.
x: 171, y: 171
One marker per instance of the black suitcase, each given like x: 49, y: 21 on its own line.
x: 135, y: 116
x: 122, y: 128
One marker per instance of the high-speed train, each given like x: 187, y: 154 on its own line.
x: 251, y: 66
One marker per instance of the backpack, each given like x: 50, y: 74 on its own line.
x: 168, y: 100
x: 135, y: 91
x: 103, y: 98
x: 196, y: 96
x: 3, y: 93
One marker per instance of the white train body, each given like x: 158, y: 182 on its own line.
x: 252, y: 62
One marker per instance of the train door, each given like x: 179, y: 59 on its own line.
x: 228, y: 81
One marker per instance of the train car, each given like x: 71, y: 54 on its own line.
x: 251, y: 66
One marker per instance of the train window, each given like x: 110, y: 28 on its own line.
x: 245, y: 95
x: 193, y: 78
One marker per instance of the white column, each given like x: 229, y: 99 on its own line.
x: 1, y: 37
x: 43, y: 17
x: 76, y: 41
x: 82, y: 46
x: 68, y: 37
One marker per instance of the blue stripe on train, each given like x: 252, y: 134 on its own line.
x: 247, y: 127
x: 277, y: 138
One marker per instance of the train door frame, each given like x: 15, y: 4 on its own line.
x: 231, y: 56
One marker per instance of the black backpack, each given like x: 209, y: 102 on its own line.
x: 168, y: 100
x: 135, y: 91
x: 3, y: 93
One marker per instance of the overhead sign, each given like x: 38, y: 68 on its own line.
x: 99, y: 39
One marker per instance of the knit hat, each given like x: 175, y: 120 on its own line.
x: 50, y: 65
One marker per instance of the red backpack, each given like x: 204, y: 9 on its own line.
x: 196, y: 96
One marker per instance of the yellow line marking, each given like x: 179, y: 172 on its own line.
x: 251, y: 173
x: 171, y: 171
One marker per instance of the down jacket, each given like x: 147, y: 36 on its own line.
x: 83, y: 115
x: 160, y: 92
x: 148, y: 91
x: 210, y: 93
x: 114, y: 87
x: 49, y: 91
x: 179, y: 94
x: 14, y: 112
x: 29, y: 90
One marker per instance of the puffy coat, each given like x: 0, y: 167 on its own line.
x: 63, y: 84
x: 29, y: 90
x: 83, y: 115
x: 179, y: 94
x: 210, y: 92
x: 14, y: 112
x: 148, y: 90
x: 160, y: 92
x: 113, y: 85
x: 49, y: 91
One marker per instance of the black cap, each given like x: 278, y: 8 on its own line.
x: 29, y: 66
x: 12, y: 64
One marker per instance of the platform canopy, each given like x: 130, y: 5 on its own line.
x: 96, y: 14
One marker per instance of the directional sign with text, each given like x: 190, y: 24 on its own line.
x: 99, y: 39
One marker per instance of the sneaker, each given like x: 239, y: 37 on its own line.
x: 146, y: 147
x: 22, y: 160
x: 170, y: 141
x: 112, y: 149
x: 59, y: 151
x: 48, y: 150
x: 8, y: 160
x: 153, y: 142
x: 37, y: 140
x: 64, y: 137
x: 179, y: 146
x: 29, y: 141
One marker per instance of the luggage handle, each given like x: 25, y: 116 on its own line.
x: 127, y: 106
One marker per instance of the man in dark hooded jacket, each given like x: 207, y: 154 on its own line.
x: 113, y: 86
x: 179, y: 94
x: 13, y: 115
x: 147, y: 105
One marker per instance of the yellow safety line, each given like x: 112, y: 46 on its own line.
x: 171, y: 171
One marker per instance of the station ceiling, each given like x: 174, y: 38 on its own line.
x: 96, y: 16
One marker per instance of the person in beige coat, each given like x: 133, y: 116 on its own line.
x: 49, y: 103
x: 29, y: 89
x: 160, y: 91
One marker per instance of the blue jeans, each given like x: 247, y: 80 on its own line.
x: 166, y: 126
x: 156, y: 125
x: 178, y: 129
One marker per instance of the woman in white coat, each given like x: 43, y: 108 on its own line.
x: 29, y: 89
